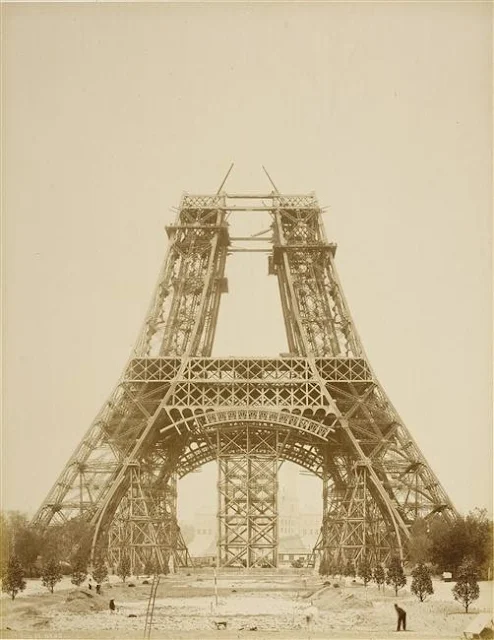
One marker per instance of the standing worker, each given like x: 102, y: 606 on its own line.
x: 402, y: 618
x: 112, y: 605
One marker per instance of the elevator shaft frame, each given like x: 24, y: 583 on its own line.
x: 247, y: 460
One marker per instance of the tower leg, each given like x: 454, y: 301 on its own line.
x: 353, y: 525
x: 145, y: 526
x: 247, y: 498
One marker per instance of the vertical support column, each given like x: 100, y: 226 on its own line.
x: 145, y: 527
x: 233, y: 533
x: 263, y: 511
x: 162, y: 508
x: 131, y: 530
x: 354, y: 526
x: 334, y: 491
x: 247, y: 461
x: 345, y: 515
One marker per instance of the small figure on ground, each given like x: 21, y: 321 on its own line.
x: 311, y: 614
x: 402, y: 618
x: 112, y: 605
x: 98, y: 588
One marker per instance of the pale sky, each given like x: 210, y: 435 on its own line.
x: 111, y: 111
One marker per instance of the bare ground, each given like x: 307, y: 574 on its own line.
x: 257, y: 605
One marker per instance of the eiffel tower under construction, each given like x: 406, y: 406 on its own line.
x: 176, y: 408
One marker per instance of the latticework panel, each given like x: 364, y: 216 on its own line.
x: 183, y: 314
x: 316, y: 317
x: 354, y: 526
x: 247, y: 497
x: 144, y: 527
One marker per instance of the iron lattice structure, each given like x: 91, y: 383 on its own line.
x: 175, y: 408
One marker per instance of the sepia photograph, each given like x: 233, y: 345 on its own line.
x: 246, y: 320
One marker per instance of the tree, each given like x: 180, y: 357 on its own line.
x: 466, y: 589
x: 379, y: 575
x: 365, y: 571
x: 68, y: 540
x: 479, y: 533
x: 13, y: 577
x: 63, y: 541
x: 100, y: 572
x: 20, y: 539
x: 465, y: 538
x: 28, y: 546
x: 419, y: 545
x: 421, y: 582
x: 123, y: 569
x: 5, y: 538
x: 395, y: 575
x: 51, y: 574
x: 79, y: 572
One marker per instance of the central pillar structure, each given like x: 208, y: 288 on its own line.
x: 247, y: 460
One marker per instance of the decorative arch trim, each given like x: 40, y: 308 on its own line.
x: 212, y: 419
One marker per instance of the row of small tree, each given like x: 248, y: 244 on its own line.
x: 13, y: 580
x: 99, y: 571
x: 13, y: 575
x: 392, y: 575
x: 466, y: 589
